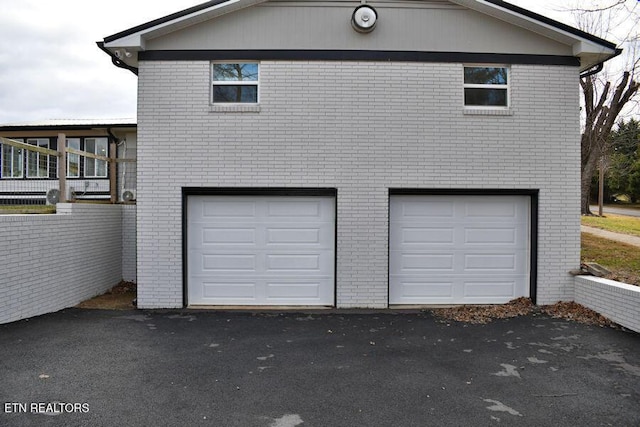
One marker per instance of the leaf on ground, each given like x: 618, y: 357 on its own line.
x: 482, y: 314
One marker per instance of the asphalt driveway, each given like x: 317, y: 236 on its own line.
x: 188, y: 368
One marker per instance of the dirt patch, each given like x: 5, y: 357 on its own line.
x: 482, y: 314
x: 120, y: 297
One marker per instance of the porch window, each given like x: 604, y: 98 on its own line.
x: 94, y: 168
x: 12, y: 161
x: 38, y: 163
x: 73, y: 160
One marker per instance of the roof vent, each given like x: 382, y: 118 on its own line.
x: 364, y: 19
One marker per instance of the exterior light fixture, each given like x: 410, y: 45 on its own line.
x: 364, y: 19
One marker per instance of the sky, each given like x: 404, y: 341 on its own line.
x: 51, y: 68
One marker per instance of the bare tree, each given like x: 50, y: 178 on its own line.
x: 606, y: 94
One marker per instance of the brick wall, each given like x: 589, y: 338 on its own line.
x: 51, y: 262
x: 616, y: 301
x: 360, y: 127
x: 129, y: 243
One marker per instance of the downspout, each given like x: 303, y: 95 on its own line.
x: 593, y: 70
x: 118, y: 142
x: 117, y: 62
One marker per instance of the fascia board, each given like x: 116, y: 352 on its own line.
x: 136, y: 40
x: 581, y: 46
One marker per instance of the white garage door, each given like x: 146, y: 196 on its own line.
x: 458, y: 249
x: 251, y: 250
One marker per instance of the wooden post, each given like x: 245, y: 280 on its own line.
x: 113, y: 172
x: 62, y: 167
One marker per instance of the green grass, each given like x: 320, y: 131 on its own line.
x: 616, y: 223
x: 621, y: 259
x: 27, y: 209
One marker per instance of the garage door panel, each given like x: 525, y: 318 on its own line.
x: 484, y: 257
x: 294, y: 291
x: 418, y: 210
x: 419, y: 263
x: 295, y: 210
x: 491, y: 208
x: 280, y: 250
x: 490, y: 288
x: 224, y: 236
x: 493, y: 262
x: 293, y: 263
x: 414, y: 291
x: 299, y: 236
x: 228, y: 262
x: 426, y: 236
x: 490, y: 236
x: 228, y: 290
x: 226, y: 207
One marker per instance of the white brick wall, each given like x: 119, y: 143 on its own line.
x: 360, y: 127
x: 616, y: 301
x: 51, y: 262
x: 129, y: 243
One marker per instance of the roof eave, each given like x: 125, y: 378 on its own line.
x: 591, y: 49
x: 124, y: 46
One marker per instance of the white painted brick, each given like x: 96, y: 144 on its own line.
x: 59, y: 260
x: 360, y: 127
x: 617, y: 301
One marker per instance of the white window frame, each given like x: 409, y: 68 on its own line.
x: 75, y: 156
x: 13, y: 151
x: 38, y: 156
x: 215, y: 83
x: 487, y: 86
x: 87, y: 160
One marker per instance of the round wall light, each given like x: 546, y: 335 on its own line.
x: 364, y: 19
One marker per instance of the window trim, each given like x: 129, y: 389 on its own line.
x: 38, y: 158
x: 86, y: 159
x: 11, y: 164
x: 214, y: 83
x: 77, y: 156
x: 506, y: 87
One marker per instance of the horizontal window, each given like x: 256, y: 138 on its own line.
x: 486, y: 86
x: 235, y: 83
x: 28, y: 164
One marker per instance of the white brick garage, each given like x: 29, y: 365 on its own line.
x: 274, y: 250
x: 459, y: 249
x: 304, y: 144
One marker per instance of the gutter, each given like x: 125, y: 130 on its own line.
x: 117, y: 62
x: 598, y: 67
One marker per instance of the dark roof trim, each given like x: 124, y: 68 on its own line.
x: 529, y: 14
x: 355, y: 55
x: 553, y: 23
x: 260, y: 191
x: 163, y: 20
x: 118, y: 63
x: 97, y: 126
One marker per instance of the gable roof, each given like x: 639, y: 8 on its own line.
x: 592, y: 50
